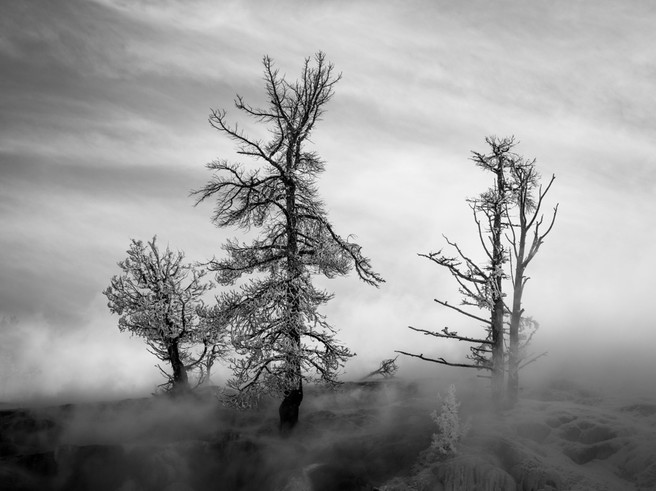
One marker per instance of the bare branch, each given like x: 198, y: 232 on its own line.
x: 442, y: 361
x: 534, y: 359
x: 451, y: 335
x: 463, y: 312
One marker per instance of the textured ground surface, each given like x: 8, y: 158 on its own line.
x: 561, y: 437
x: 363, y: 437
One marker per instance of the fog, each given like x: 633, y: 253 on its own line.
x: 357, y: 434
x: 101, y: 363
x: 104, y: 133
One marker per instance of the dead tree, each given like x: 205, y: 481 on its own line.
x: 481, y: 284
x: 278, y: 334
x: 509, y: 212
x: 526, y: 233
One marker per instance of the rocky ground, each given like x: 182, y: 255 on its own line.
x: 561, y: 437
x: 361, y: 437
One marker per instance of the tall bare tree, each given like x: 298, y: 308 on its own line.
x: 481, y: 284
x: 159, y: 297
x: 511, y: 229
x: 527, y: 231
x: 275, y: 322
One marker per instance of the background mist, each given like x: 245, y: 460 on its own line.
x: 103, y: 124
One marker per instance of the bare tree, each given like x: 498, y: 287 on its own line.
x: 511, y: 229
x: 159, y: 298
x: 482, y: 284
x: 275, y: 323
x: 527, y: 232
x: 387, y: 369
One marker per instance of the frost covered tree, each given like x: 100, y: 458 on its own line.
x: 159, y: 298
x: 276, y: 328
x: 450, y: 430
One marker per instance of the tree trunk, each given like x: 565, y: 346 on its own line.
x: 515, y: 319
x: 289, y: 409
x: 498, y: 368
x: 180, y: 379
x: 513, y: 350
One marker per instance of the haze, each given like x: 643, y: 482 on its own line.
x: 103, y: 133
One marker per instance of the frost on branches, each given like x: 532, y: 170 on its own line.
x: 159, y: 298
x: 449, y: 429
x: 278, y: 334
x: 270, y: 338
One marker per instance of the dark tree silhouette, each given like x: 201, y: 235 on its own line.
x: 159, y: 298
x: 275, y: 323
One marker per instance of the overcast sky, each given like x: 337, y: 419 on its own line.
x: 104, y: 132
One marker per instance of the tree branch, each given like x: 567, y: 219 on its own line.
x: 451, y: 335
x: 442, y: 361
x: 447, y: 304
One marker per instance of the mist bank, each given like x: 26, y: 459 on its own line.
x: 360, y: 433
x: 362, y: 436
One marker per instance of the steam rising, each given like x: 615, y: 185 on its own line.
x: 364, y: 433
x: 361, y: 435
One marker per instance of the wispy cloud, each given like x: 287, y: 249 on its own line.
x: 103, y: 132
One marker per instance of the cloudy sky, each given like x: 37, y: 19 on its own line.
x: 104, y: 132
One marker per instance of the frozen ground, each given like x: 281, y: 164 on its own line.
x: 364, y: 437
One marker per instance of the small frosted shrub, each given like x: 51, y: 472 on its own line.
x: 449, y: 428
